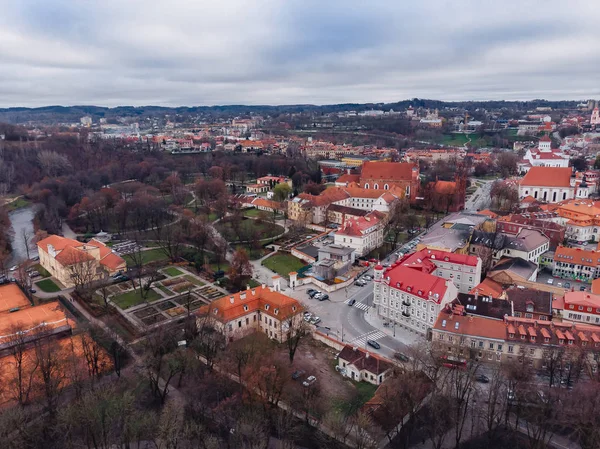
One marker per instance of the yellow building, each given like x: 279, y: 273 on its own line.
x: 67, y: 260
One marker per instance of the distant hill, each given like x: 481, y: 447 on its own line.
x: 67, y: 114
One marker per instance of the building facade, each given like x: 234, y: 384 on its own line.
x: 410, y: 298
x: 549, y: 184
x: 576, y: 264
x: 260, y: 309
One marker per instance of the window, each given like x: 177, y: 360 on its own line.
x: 491, y: 345
x: 499, y: 347
x: 240, y: 323
x: 511, y: 349
x: 230, y: 327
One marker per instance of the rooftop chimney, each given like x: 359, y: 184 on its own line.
x: 243, y: 295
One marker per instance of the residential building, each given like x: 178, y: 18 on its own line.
x: 580, y: 307
x: 260, y: 309
x: 463, y: 270
x: 257, y: 188
x: 513, y: 271
x: 338, y: 214
x: 528, y: 244
x: 68, y: 259
x: 576, y: 263
x: 272, y: 181
x: 452, y: 234
x: 581, y: 219
x: 410, y: 297
x: 531, y: 342
x: 361, y: 365
x: 512, y: 224
x: 363, y: 234
x: 550, y: 184
x: 268, y: 205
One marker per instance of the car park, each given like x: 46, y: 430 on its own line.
x: 298, y: 374
x: 373, y: 344
x: 351, y: 302
x: 309, y: 381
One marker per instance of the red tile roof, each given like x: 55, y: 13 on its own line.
x: 416, y: 282
x: 439, y: 255
x: 364, y: 360
x: 547, y: 177
x: 348, y: 178
x: 577, y: 256
x: 488, y: 287
x: 471, y: 325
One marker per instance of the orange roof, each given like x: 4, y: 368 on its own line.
x: 261, y: 202
x: 57, y: 242
x: 596, y: 286
x: 488, y: 287
x: 471, y: 325
x: 489, y: 213
x: 243, y: 303
x: 328, y: 196
x: 547, y: 177
x: 390, y: 171
x: 11, y: 297
x: 70, y: 256
x: 348, y: 178
x: 577, y: 256
x: 528, y: 199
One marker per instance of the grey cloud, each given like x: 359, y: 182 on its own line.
x: 275, y: 51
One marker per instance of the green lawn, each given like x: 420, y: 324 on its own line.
x: 132, y: 298
x: 48, y: 286
x: 283, y: 264
x: 43, y: 272
x: 172, y: 271
x: 224, y: 266
x: 252, y: 213
x: 151, y: 255
x: 249, y: 229
x: 17, y: 204
x: 194, y: 280
x: 165, y: 290
x: 454, y: 139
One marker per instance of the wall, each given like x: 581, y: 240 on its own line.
x: 329, y: 341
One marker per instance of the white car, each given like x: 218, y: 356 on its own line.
x: 550, y: 281
x: 308, y: 382
x: 13, y: 268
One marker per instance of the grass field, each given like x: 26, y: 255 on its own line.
x: 165, y: 290
x: 172, y: 271
x: 17, y: 204
x: 454, y: 139
x: 151, y: 255
x: 193, y: 280
x: 248, y: 230
x: 43, y: 272
x: 283, y: 264
x: 133, y: 298
x: 48, y: 286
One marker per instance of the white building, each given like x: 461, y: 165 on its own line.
x: 363, y: 234
x: 410, y: 298
x: 544, y: 156
x: 549, y: 184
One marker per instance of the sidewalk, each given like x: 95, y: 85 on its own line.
x: 402, y: 335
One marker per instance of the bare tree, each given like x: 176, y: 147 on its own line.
x: 25, y: 366
x: 295, y: 330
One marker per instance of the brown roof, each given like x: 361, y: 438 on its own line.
x: 577, y: 256
x: 348, y: 210
x: 470, y: 325
x: 548, y: 177
x: 348, y: 178
x: 488, y: 287
x: 522, y: 297
x: 364, y: 360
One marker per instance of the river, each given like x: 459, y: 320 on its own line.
x: 22, y: 219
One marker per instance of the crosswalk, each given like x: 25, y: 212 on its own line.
x: 362, y: 340
x: 360, y: 305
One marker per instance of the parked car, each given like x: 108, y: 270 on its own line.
x: 297, y: 374
x: 401, y: 357
x: 550, y: 281
x: 307, y: 318
x: 34, y: 273
x: 13, y: 268
x: 33, y: 290
x: 314, y: 293
x: 360, y: 283
x: 340, y: 369
x: 351, y: 302
x: 366, y: 277
x: 373, y: 344
x: 309, y: 291
x: 35, y: 258
x: 582, y: 288
x: 567, y: 285
x: 483, y: 379
x: 315, y: 320
x: 309, y: 381
x: 323, y: 297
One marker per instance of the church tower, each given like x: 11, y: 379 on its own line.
x: 595, y: 119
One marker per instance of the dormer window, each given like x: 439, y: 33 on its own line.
x: 570, y: 342
x: 546, y: 340
x: 293, y: 308
x: 245, y: 308
x: 561, y: 341
x: 511, y: 335
x: 276, y: 311
x: 266, y: 306
x: 215, y: 311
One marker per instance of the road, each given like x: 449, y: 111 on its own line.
x: 481, y: 198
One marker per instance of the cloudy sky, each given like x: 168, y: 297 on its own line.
x: 206, y: 52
